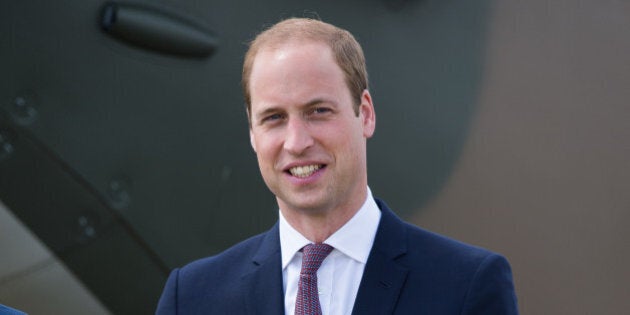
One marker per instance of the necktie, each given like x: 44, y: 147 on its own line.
x: 307, y: 300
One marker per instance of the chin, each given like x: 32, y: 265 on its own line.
x: 309, y: 206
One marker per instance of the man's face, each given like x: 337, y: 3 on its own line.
x: 310, y: 144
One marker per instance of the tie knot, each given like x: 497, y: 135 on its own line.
x: 314, y: 255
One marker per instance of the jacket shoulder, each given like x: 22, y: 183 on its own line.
x: 219, y: 265
x: 210, y: 284
x: 444, y: 275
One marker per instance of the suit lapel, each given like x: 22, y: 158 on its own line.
x: 263, y: 284
x: 383, y: 277
x: 380, y: 286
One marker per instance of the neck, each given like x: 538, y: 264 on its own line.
x: 317, y: 226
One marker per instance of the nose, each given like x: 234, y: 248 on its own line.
x: 298, y: 137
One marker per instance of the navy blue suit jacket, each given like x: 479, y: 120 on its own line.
x: 409, y: 271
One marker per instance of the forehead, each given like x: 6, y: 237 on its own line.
x: 303, y: 52
x: 294, y: 68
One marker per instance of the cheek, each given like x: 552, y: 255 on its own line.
x: 353, y: 147
x: 266, y: 148
x: 348, y: 138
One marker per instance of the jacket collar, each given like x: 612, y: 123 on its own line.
x: 263, y: 283
x: 383, y: 276
x: 380, y: 286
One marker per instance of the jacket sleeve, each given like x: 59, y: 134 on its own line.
x: 168, y: 301
x: 492, y: 289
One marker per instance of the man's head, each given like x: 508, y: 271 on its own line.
x: 346, y: 50
x: 308, y: 128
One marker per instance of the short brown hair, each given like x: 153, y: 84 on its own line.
x: 346, y: 50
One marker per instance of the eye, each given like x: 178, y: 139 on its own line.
x: 321, y: 110
x: 272, y: 118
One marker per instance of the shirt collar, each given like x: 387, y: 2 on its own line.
x: 354, y: 239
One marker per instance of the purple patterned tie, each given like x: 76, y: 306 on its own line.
x: 307, y: 300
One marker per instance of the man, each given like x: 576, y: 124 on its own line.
x: 335, y: 249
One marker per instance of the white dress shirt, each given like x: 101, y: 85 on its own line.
x: 340, y: 274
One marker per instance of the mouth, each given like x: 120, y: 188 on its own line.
x: 305, y: 170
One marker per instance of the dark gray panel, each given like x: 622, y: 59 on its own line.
x: 76, y: 223
x: 159, y: 143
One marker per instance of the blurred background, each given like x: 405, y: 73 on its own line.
x: 124, y: 146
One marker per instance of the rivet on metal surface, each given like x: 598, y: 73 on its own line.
x: 118, y: 194
x: 86, y: 227
x: 6, y: 148
x: 23, y: 110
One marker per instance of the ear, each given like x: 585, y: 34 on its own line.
x: 251, y: 139
x: 251, y: 133
x: 367, y: 114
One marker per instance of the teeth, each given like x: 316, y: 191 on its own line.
x: 304, y: 171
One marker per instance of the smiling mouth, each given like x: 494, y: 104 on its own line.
x: 305, y: 171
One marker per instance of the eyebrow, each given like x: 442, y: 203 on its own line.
x: 267, y: 111
x: 316, y: 101
x: 274, y: 109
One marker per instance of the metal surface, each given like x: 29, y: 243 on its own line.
x: 33, y: 280
x: 127, y: 162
